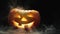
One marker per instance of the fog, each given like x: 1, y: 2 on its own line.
x: 9, y: 30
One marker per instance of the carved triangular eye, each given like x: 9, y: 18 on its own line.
x: 30, y: 15
x: 17, y: 16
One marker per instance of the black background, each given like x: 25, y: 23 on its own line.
x: 49, y: 11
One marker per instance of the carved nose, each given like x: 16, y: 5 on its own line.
x: 23, y: 19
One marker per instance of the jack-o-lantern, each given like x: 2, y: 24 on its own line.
x: 20, y: 18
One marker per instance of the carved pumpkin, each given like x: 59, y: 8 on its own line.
x: 20, y: 18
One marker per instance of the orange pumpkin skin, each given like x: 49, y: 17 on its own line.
x: 21, y: 18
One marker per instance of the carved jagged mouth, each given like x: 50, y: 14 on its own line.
x: 29, y: 25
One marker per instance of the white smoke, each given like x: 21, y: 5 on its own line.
x: 6, y: 30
